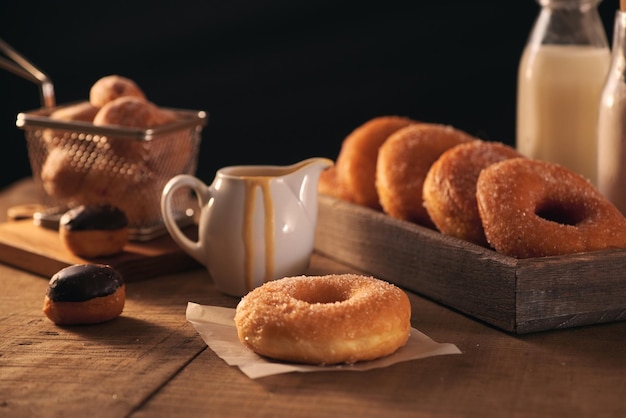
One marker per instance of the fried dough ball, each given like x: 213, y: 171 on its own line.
x: 61, y: 175
x: 78, y: 112
x: 111, y: 87
x: 82, y: 112
x: 132, y: 112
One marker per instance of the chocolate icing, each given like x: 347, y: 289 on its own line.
x: 94, y: 217
x: 81, y: 282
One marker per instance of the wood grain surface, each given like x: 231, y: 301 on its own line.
x: 525, y: 295
x: 150, y: 362
x: 39, y: 250
x: 100, y: 370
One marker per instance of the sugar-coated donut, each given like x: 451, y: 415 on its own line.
x: 449, y: 189
x: 356, y: 162
x: 85, y: 294
x: 332, y: 319
x: 111, y: 87
x: 532, y: 208
x: 403, y: 162
x: 328, y: 184
x: 94, y: 230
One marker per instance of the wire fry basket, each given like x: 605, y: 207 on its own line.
x: 76, y: 162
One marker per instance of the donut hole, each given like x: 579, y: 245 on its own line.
x: 322, y: 293
x: 559, y: 212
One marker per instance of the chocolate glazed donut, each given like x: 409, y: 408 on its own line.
x: 85, y: 294
x: 94, y: 230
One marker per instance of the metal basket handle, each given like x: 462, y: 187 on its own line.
x: 23, y: 68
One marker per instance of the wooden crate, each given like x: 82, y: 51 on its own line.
x: 515, y: 295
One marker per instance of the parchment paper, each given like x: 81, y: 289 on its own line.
x: 216, y: 326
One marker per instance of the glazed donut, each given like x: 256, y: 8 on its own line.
x: 84, y: 294
x: 449, y: 190
x: 111, y: 87
x: 532, y: 208
x: 94, y: 230
x: 403, y: 162
x: 324, y: 320
x: 356, y: 162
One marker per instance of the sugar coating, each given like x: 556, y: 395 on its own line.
x: 403, y: 163
x: 356, y: 162
x: 449, y: 190
x: 324, y: 319
x: 531, y: 208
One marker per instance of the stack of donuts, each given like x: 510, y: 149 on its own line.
x: 479, y: 191
x: 88, y: 170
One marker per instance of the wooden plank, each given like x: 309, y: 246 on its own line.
x: 571, y: 373
x: 39, y: 250
x: 416, y: 258
x: 515, y: 295
x: 578, y: 289
x: 99, y: 370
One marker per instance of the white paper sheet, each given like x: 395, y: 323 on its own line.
x: 216, y: 326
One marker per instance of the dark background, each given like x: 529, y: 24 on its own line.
x: 282, y: 80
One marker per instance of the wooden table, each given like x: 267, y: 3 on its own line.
x: 150, y: 362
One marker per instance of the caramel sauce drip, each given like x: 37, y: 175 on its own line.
x: 251, y: 184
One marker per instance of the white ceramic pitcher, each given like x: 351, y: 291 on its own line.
x: 256, y: 224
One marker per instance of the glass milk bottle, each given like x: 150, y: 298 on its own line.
x: 612, y: 122
x: 561, y: 75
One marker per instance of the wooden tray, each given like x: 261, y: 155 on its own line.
x: 39, y: 250
x: 519, y: 296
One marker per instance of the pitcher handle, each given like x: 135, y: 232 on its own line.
x: 194, y: 248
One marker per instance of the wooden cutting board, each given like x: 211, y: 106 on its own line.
x: 40, y: 251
